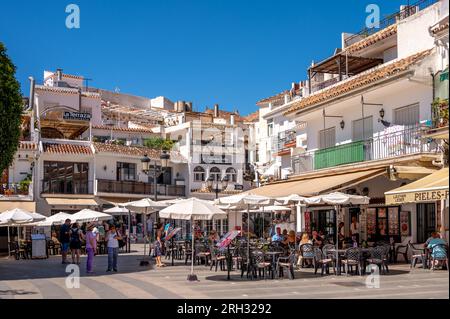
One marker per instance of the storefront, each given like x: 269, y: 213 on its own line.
x: 430, y: 195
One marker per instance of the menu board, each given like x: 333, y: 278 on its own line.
x: 405, y: 229
x: 363, y: 223
x: 393, y: 221
x: 371, y: 221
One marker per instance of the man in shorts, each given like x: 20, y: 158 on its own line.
x: 64, y: 238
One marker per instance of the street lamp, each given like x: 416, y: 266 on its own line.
x: 224, y: 184
x: 145, y: 161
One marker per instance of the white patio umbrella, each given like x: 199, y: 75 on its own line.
x: 57, y: 219
x: 293, y: 198
x: 89, y: 215
x: 17, y: 217
x: 117, y: 211
x: 193, y: 209
x: 337, y: 199
x: 246, y: 199
x: 142, y: 206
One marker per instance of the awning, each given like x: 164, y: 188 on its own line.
x: 315, y: 186
x: 26, y: 205
x: 434, y: 187
x: 71, y: 202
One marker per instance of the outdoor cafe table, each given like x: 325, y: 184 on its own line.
x: 274, y: 255
x: 341, y: 252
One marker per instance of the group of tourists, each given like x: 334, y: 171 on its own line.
x: 71, y: 238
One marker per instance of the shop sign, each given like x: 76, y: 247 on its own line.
x: 417, y: 197
x: 77, y: 116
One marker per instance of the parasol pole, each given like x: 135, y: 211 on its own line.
x: 337, y: 208
x: 248, y: 233
x: 9, y: 244
x: 129, y: 230
x: 192, y: 277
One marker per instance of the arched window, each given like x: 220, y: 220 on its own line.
x: 215, y: 173
x: 199, y: 174
x: 231, y: 173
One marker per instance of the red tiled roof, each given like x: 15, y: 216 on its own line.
x: 359, y: 81
x: 372, y: 39
x: 252, y: 117
x: 64, y: 90
x: 123, y: 129
x: 138, y: 151
x: 67, y: 149
x: 440, y: 27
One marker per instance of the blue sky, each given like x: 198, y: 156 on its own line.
x: 231, y: 52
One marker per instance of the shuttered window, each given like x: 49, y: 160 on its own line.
x: 327, y: 138
x: 362, y: 132
x: 407, y: 115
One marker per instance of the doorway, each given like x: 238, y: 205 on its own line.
x: 426, y: 221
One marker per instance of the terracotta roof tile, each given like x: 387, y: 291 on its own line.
x: 64, y: 90
x: 135, y: 151
x: 25, y: 145
x: 252, y: 117
x: 372, y: 39
x: 123, y: 129
x: 359, y: 81
x: 67, y: 149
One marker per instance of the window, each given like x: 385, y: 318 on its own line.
x: 231, y: 174
x: 65, y: 178
x: 269, y: 128
x: 362, y: 130
x: 327, y: 138
x: 215, y: 173
x: 407, y: 115
x: 126, y: 171
x: 199, y: 174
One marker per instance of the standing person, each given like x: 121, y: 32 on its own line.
x: 158, y: 251
x: 354, y: 229
x: 113, y: 238
x: 91, y: 247
x: 64, y: 238
x: 75, y: 242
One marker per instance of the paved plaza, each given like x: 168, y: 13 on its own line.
x: 47, y: 279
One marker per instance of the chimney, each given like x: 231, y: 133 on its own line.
x: 58, y: 75
x: 216, y: 110
x: 189, y: 106
x: 232, y: 119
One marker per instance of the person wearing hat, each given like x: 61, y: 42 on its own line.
x: 91, y: 247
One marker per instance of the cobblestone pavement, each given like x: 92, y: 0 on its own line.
x: 47, y: 279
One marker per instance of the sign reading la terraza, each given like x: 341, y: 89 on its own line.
x: 77, y: 116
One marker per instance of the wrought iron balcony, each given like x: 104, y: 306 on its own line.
x: 382, y: 146
x: 140, y: 188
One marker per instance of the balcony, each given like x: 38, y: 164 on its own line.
x: 382, y: 146
x: 284, y: 141
x: 67, y: 187
x: 139, y: 188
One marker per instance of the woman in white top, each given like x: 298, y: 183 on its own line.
x: 113, y: 238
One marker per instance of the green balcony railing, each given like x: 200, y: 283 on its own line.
x: 339, y: 155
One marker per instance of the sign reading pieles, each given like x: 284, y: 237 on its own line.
x: 77, y: 116
x: 417, y: 197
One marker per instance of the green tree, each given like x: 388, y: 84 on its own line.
x: 10, y: 110
x: 158, y: 143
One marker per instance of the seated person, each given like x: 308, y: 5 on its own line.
x: 285, y: 233
x: 55, y: 238
x: 278, y: 236
x: 316, y: 239
x: 290, y: 239
x: 437, y: 251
